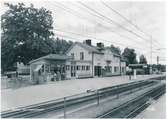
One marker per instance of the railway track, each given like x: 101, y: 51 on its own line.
x: 56, y: 105
x: 134, y: 107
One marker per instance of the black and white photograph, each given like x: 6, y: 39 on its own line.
x: 83, y: 59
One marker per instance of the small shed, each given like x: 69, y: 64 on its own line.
x: 48, y: 68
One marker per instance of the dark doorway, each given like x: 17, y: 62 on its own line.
x: 73, y: 70
x: 97, y: 70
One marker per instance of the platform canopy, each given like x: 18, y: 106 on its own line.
x: 51, y: 57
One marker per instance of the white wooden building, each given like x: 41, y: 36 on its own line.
x: 82, y: 60
x: 91, y: 61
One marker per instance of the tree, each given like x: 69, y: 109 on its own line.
x: 61, y: 45
x: 26, y: 34
x: 115, y: 49
x: 142, y: 59
x: 129, y: 56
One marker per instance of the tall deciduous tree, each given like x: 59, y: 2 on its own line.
x: 129, y: 56
x: 27, y: 34
x: 142, y: 59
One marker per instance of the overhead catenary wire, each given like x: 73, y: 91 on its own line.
x: 89, y: 36
x: 74, y: 13
x: 78, y: 39
x: 117, y: 24
x: 121, y: 44
x: 80, y: 16
x: 69, y: 10
x: 113, y: 22
x: 129, y: 21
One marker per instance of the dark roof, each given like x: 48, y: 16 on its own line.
x: 87, y: 47
x: 90, y: 48
x: 52, y: 57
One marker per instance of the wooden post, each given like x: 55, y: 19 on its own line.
x: 64, y: 107
x: 44, y: 76
x: 134, y: 73
x: 98, y: 97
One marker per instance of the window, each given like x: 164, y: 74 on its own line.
x: 87, y: 67
x: 72, y: 55
x: 74, y: 67
x: 47, y: 68
x: 123, y: 69
x: 83, y: 67
x: 81, y: 55
x: 67, y: 67
x: 115, y: 69
x: 108, y: 68
x: 78, y: 67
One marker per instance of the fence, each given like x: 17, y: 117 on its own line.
x: 14, y: 82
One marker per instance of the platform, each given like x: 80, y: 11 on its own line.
x: 13, y: 98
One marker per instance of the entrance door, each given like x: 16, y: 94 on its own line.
x: 97, y: 70
x: 73, y: 70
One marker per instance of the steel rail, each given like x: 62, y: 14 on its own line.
x: 142, y: 107
x: 108, y: 114
x: 49, y: 106
x: 68, y: 104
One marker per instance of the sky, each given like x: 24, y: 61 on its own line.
x: 73, y: 21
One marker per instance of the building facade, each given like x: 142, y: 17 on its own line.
x: 82, y: 60
x: 93, y: 61
x: 48, y: 68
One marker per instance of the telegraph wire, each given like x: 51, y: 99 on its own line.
x: 129, y: 21
x: 96, y: 16
x: 93, y: 38
x: 137, y: 50
x: 112, y: 22
x: 123, y: 36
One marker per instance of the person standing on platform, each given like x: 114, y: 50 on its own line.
x: 55, y: 76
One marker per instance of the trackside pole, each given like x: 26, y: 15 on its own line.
x: 98, y: 97
x: 134, y: 73
x: 64, y: 107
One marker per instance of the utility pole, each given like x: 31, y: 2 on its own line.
x: 151, y: 50
x: 157, y: 60
x: 158, y: 63
x: 64, y: 107
x: 151, y: 55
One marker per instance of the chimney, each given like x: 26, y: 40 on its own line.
x: 100, y: 45
x: 88, y: 42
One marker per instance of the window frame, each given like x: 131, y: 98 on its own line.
x: 81, y: 55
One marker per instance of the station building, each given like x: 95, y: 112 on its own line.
x: 91, y: 61
x: 82, y: 60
